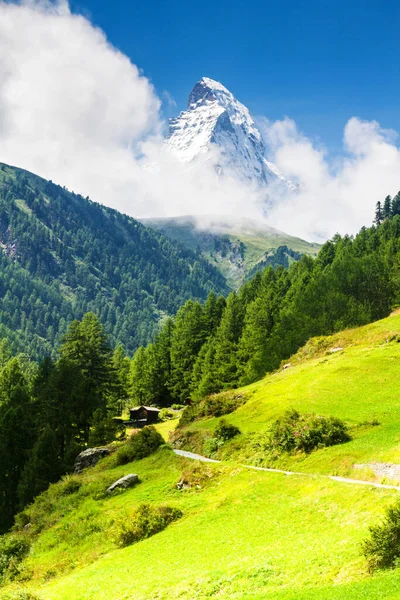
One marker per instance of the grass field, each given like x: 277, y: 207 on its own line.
x: 359, y: 384
x: 244, y: 533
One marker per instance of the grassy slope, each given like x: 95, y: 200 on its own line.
x: 358, y: 384
x: 248, y: 534
x: 245, y: 535
x: 257, y: 242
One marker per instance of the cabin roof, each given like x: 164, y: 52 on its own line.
x: 151, y: 408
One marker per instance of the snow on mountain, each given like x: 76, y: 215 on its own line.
x: 219, y: 128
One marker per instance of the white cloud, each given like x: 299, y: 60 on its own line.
x: 76, y: 110
x: 335, y: 195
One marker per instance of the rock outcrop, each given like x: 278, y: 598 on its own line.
x: 123, y: 483
x: 89, y: 458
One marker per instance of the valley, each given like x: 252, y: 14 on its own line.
x: 245, y: 522
x: 236, y: 247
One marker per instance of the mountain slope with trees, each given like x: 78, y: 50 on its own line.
x: 353, y: 281
x: 237, y: 247
x: 63, y: 255
x: 71, y: 548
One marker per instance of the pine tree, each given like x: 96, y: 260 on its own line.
x: 85, y: 350
x: 387, y: 208
x: 16, y: 437
x: 396, y: 205
x: 378, y: 214
x: 42, y: 468
x: 188, y: 336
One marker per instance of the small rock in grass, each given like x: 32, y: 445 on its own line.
x: 123, y: 483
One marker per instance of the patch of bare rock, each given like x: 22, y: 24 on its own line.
x: 388, y: 470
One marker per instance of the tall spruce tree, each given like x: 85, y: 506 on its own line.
x: 16, y: 437
x: 387, y: 208
x: 86, y: 352
x: 378, y: 213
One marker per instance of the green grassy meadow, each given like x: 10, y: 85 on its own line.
x: 359, y: 384
x: 244, y: 533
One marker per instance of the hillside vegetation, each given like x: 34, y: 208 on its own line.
x: 237, y: 247
x: 63, y: 255
x: 352, y: 375
x: 225, y: 344
x: 243, y: 533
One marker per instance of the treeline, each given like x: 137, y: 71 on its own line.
x: 62, y: 255
x: 226, y: 343
x: 50, y: 412
x: 387, y: 209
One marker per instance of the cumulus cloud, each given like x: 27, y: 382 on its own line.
x: 76, y: 110
x: 335, y: 195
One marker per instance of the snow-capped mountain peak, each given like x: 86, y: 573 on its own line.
x: 218, y: 127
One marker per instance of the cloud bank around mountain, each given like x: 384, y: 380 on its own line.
x: 74, y: 109
x: 335, y: 195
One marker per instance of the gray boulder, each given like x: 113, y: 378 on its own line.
x: 123, y: 483
x: 89, y: 458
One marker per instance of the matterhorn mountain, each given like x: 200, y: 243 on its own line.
x: 219, y: 128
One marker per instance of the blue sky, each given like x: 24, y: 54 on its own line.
x: 317, y: 61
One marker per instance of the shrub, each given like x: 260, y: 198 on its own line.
x: 225, y: 431
x: 165, y: 414
x: 105, y: 429
x: 13, y: 549
x: 196, y: 474
x: 140, y: 444
x: 215, y: 405
x: 211, y: 446
x: 70, y: 486
x: 177, y: 406
x: 382, y: 549
x: 304, y: 433
x: 146, y: 521
x: 193, y: 441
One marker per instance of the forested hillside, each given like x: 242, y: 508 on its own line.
x: 63, y: 255
x: 223, y: 344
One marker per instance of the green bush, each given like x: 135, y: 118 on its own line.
x: 13, y: 549
x: 382, y: 549
x: 165, y: 414
x: 225, y: 431
x: 146, y: 521
x: 304, y: 433
x: 215, y: 405
x: 70, y: 486
x: 140, y: 444
x: 211, y: 446
x: 177, y: 406
x: 105, y: 429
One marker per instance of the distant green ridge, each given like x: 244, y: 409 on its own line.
x: 235, y: 246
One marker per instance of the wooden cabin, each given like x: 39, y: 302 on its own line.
x: 144, y: 415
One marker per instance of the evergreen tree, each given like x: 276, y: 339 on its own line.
x: 378, y: 213
x: 16, y: 437
x: 396, y: 205
x: 86, y: 352
x: 188, y: 336
x: 387, y: 208
x: 43, y: 467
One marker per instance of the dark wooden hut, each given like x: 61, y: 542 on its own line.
x: 144, y: 415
